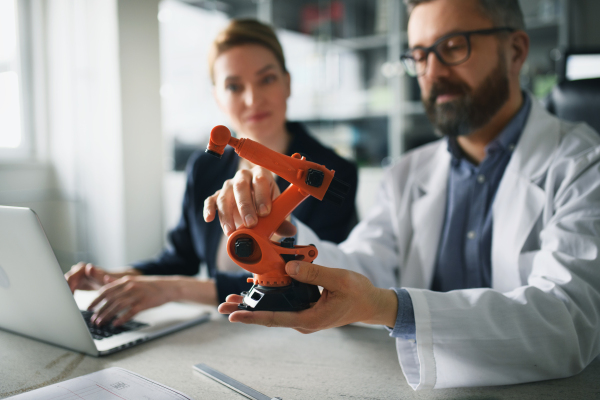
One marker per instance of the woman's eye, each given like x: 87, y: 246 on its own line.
x: 269, y: 79
x: 233, y: 87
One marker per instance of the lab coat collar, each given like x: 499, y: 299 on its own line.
x: 539, y: 139
x: 432, y: 176
x: 428, y: 212
x: 520, y: 200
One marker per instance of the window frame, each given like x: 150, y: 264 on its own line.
x: 23, y: 67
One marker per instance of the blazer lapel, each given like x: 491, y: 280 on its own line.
x: 519, y: 200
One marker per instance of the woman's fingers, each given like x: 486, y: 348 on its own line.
x: 126, y: 316
x: 242, y: 199
x: 111, y: 308
x: 226, y: 208
x: 75, y: 276
x: 242, y: 192
x: 265, y: 190
x: 112, y: 291
x: 210, y: 207
x: 286, y: 229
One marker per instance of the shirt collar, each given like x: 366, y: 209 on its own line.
x: 506, y: 140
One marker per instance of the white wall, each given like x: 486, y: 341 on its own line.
x: 97, y: 179
x: 105, y: 125
x: 142, y: 138
x: 84, y: 128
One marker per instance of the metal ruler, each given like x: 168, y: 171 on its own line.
x: 232, y: 383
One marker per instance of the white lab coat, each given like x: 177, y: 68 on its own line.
x: 541, y: 318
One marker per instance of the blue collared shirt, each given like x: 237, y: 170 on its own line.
x: 464, y: 253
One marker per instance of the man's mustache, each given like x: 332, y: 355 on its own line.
x: 444, y: 88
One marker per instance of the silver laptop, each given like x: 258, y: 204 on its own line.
x: 35, y: 300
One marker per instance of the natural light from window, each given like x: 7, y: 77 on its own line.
x: 10, y: 102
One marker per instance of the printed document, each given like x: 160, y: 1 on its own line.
x: 108, y: 384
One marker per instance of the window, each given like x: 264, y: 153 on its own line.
x: 12, y: 138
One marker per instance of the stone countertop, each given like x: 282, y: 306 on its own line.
x: 345, y: 363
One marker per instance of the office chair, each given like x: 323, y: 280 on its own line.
x: 576, y: 101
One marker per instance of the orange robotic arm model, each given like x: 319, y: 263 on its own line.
x: 252, y: 248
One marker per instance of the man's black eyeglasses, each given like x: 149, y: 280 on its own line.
x: 451, y: 49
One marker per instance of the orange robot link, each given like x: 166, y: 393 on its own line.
x: 252, y: 248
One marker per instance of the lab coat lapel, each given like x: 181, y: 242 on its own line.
x: 428, y: 211
x: 519, y: 200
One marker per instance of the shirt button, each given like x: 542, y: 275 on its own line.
x: 481, y: 178
x: 511, y: 147
x: 471, y: 235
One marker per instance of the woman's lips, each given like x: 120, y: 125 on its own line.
x: 258, y: 117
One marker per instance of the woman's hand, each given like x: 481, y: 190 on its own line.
x: 127, y: 296
x: 85, y: 276
x: 249, y: 194
x: 347, y: 297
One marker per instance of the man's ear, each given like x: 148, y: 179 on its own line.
x: 519, y: 46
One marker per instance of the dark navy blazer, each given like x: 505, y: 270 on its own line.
x: 194, y: 241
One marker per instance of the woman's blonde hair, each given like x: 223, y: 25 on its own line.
x: 245, y: 31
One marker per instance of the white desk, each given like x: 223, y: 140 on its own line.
x: 343, y: 363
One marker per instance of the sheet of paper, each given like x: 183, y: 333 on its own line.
x: 108, y: 384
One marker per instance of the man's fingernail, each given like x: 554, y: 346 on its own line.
x: 227, y: 229
x: 249, y: 220
x: 262, y: 209
x: 292, y: 268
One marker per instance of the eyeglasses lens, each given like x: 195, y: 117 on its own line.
x: 415, y: 62
x: 453, y: 50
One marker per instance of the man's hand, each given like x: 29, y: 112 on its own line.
x: 129, y: 295
x: 347, y: 297
x: 249, y: 194
x: 85, y: 276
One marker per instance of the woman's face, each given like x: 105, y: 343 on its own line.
x: 252, y: 89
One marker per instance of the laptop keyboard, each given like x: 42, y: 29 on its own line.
x: 108, y: 330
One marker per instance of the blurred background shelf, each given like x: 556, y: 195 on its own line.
x: 343, y: 55
x: 348, y: 86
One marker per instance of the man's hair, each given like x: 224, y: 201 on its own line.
x: 245, y: 31
x: 501, y: 12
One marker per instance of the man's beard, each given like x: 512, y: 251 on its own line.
x: 473, y: 108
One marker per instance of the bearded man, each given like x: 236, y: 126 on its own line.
x: 490, y: 237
